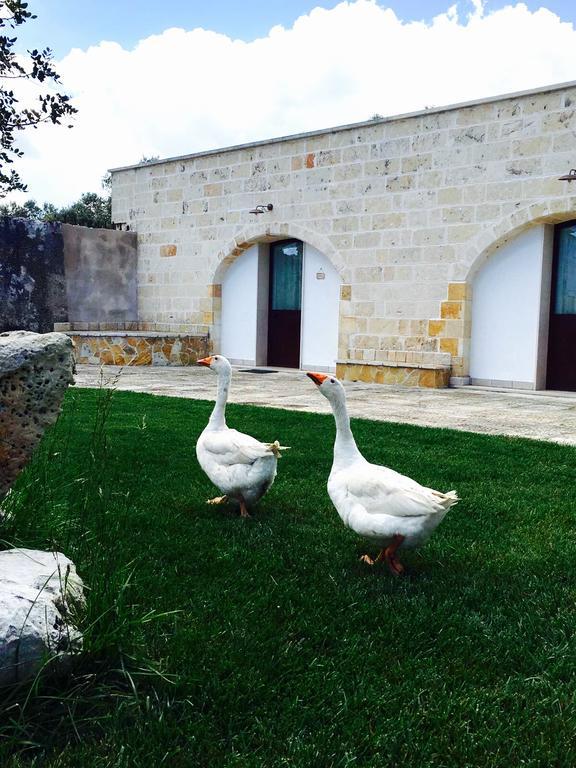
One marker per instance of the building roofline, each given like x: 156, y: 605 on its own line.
x: 351, y: 126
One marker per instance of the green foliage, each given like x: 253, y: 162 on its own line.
x: 91, y: 210
x: 27, y: 210
x: 14, y: 116
x: 211, y: 640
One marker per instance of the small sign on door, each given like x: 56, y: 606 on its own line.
x: 320, y: 275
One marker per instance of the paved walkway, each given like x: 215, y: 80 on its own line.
x: 544, y: 416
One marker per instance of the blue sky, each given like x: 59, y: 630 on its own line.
x: 183, y: 76
x: 65, y: 24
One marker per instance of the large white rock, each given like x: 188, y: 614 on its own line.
x: 35, y: 371
x: 37, y: 592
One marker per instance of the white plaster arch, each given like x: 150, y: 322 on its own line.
x: 492, y: 237
x: 268, y: 233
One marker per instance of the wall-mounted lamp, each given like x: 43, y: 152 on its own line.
x: 569, y: 176
x: 262, y: 209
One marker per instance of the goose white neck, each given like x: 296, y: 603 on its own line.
x: 218, y: 418
x: 345, y: 448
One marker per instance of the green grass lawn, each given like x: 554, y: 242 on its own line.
x: 211, y: 640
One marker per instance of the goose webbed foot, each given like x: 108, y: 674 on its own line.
x: 217, y: 500
x: 244, y: 509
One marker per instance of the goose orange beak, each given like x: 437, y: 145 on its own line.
x: 317, y: 378
x: 207, y: 361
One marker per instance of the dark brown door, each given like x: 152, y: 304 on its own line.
x: 285, y: 301
x: 562, y: 338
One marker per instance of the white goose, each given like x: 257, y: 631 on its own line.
x: 379, y: 504
x: 242, y: 467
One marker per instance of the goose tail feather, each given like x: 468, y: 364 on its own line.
x: 276, y: 448
x: 450, y: 498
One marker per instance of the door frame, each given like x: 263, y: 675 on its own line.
x: 268, y: 301
x: 558, y: 228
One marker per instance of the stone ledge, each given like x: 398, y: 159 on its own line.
x: 398, y: 374
x: 502, y: 383
x: 131, y: 327
x: 396, y: 364
x: 135, y: 334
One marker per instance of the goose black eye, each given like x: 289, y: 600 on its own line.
x: 332, y: 381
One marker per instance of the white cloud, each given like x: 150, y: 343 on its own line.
x: 185, y: 91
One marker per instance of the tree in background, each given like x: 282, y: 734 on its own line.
x: 28, y: 210
x: 49, y: 107
x: 91, y: 210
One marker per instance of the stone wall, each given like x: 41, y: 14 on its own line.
x: 101, y: 279
x: 57, y: 275
x: 138, y: 348
x: 32, y: 285
x: 406, y: 208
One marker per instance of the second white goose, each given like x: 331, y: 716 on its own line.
x: 379, y: 504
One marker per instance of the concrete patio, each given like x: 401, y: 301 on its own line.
x: 539, y: 415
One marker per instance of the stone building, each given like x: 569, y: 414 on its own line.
x: 414, y: 249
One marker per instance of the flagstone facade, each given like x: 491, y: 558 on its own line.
x: 406, y: 209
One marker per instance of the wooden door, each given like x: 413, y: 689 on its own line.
x: 561, y: 372
x: 285, y: 304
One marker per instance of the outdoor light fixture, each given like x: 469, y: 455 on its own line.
x: 264, y: 208
x: 569, y: 176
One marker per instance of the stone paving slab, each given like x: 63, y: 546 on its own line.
x: 539, y: 415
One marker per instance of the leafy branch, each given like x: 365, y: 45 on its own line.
x: 47, y: 108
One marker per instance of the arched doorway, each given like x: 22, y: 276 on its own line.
x: 280, y: 306
x: 524, y: 312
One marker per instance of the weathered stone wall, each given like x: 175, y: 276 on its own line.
x: 54, y: 274
x: 101, y: 281
x: 32, y: 285
x: 406, y: 208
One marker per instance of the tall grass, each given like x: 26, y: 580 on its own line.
x: 71, y: 499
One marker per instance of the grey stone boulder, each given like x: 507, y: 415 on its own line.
x: 35, y: 371
x: 40, y: 592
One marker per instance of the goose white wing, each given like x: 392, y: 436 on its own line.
x: 229, y: 447
x: 380, y: 490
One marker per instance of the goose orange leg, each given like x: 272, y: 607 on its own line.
x: 243, y: 508
x: 389, y: 555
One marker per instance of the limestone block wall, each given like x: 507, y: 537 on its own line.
x: 406, y: 208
